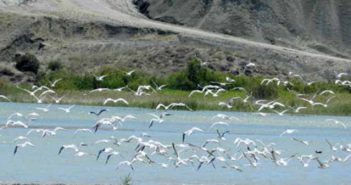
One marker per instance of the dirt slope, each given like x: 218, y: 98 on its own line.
x: 85, y: 34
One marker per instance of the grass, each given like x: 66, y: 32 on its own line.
x: 74, y: 86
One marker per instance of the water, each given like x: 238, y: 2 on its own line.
x: 41, y: 164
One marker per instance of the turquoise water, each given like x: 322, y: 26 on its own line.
x: 41, y: 164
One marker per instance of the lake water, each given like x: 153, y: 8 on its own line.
x: 41, y: 164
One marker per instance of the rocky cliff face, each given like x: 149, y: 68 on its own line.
x: 322, y: 25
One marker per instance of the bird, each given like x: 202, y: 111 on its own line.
x: 219, y: 123
x: 99, y: 90
x: 230, y: 80
x: 225, y: 117
x: 67, y: 110
x: 301, y: 141
x: 53, y: 84
x: 157, y: 118
x: 100, y: 78
x: 332, y: 147
x: 69, y: 146
x: 57, y: 99
x: 120, y: 89
x: 251, y: 64
x: 5, y: 97
x: 130, y: 73
x: 195, y: 91
x: 282, y: 112
x: 224, y: 104
x: 25, y: 144
x: 110, y: 155
x: 298, y: 109
x: 288, y: 131
x: 337, y: 122
x: 128, y: 163
x: 44, y: 109
x: 83, y: 130
x: 214, y: 94
x: 98, y: 113
x: 116, y: 101
x: 322, y: 165
x: 172, y: 105
x: 190, y: 132
x: 326, y: 92
x: 159, y: 87
x: 104, y: 150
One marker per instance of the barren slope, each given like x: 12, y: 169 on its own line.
x: 85, y: 33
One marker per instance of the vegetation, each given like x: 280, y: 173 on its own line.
x: 55, y: 65
x: 127, y: 180
x: 27, y: 63
x: 179, y: 85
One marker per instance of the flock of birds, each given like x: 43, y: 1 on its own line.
x: 216, y: 149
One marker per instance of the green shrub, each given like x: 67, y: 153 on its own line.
x: 265, y: 91
x: 27, y: 63
x: 55, y: 65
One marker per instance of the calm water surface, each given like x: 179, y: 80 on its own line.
x: 41, y: 164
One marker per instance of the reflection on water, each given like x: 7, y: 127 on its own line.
x: 41, y: 164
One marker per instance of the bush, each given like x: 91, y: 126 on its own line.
x: 55, y: 65
x: 193, y: 76
x: 27, y: 63
x: 265, y: 91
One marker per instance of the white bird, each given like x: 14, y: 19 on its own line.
x: 25, y: 144
x: 214, y: 94
x: 195, y: 91
x: 67, y: 110
x: 340, y: 75
x: 99, y: 90
x: 130, y: 72
x: 44, y: 109
x: 120, y: 89
x: 225, y: 104
x: 157, y: 118
x: 172, y: 105
x: 53, y: 84
x: 81, y: 154
x: 110, y: 155
x: 219, y: 123
x: 5, y: 97
x: 159, y: 87
x: 82, y: 130
x: 128, y: 163
x: 282, y: 112
x: 225, y: 117
x: 116, y: 101
x: 104, y: 150
x: 301, y: 141
x: 100, y: 78
x: 251, y: 64
x: 20, y: 138
x: 190, y: 132
x: 230, y: 80
x: 326, y: 92
x: 288, y: 131
x: 298, y: 109
x: 57, y: 99
x: 17, y: 123
x: 239, y: 141
x: 332, y: 147
x: 70, y: 146
x: 337, y: 122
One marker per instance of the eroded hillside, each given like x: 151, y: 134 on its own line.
x: 86, y: 34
